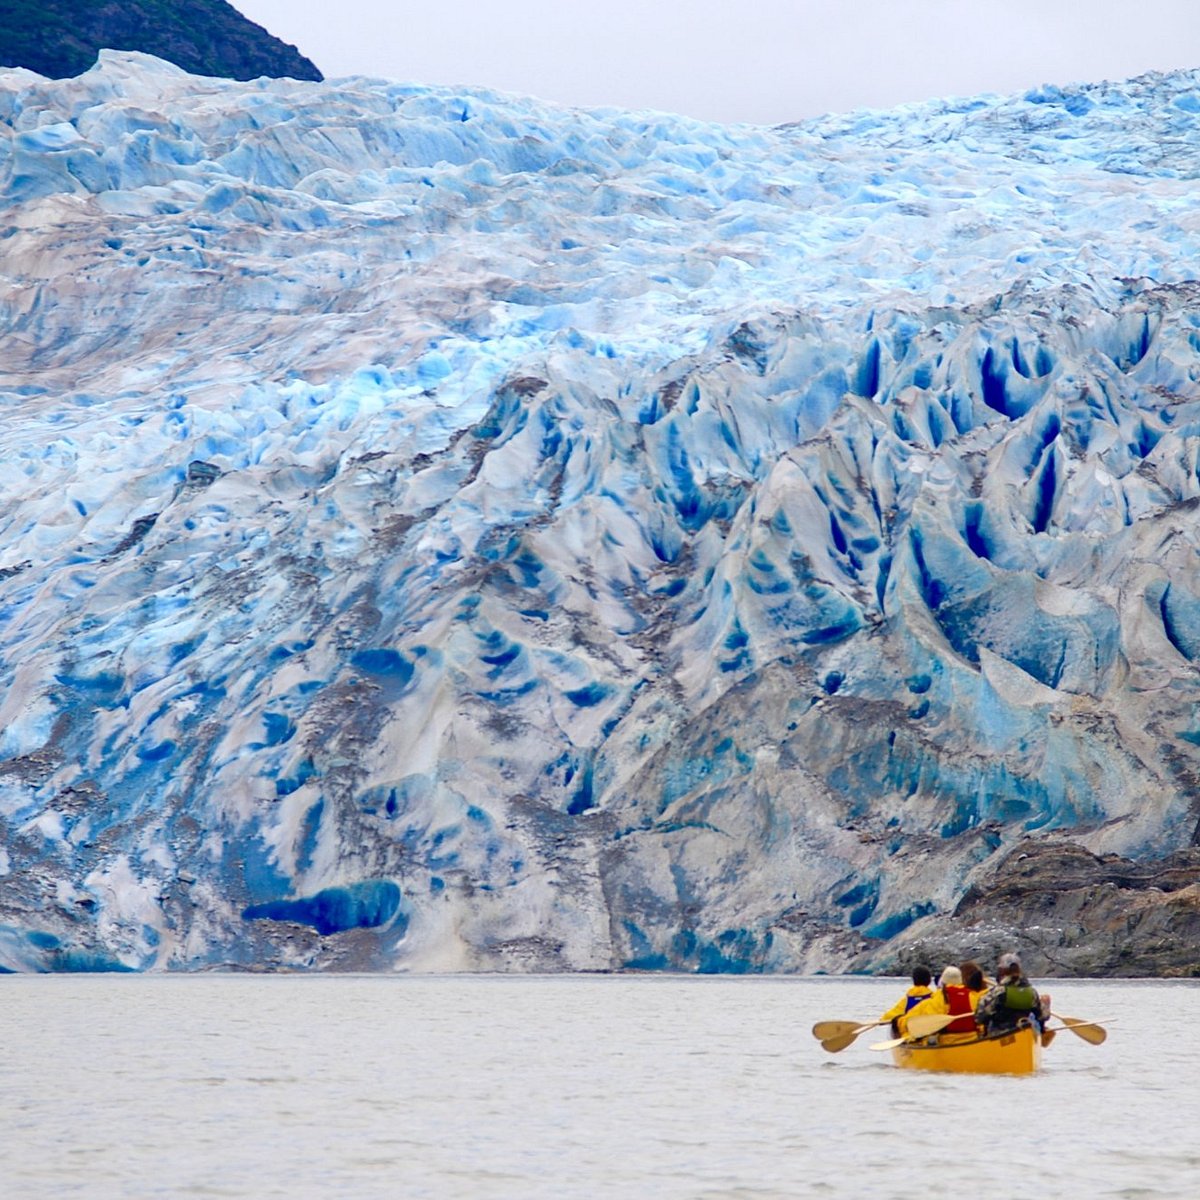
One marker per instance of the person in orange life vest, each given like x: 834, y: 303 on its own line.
x: 919, y: 991
x: 953, y: 997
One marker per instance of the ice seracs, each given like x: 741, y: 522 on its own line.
x: 441, y: 530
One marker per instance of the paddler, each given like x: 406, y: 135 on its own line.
x: 922, y: 977
x: 952, y: 998
x: 1012, y: 1001
x: 974, y: 978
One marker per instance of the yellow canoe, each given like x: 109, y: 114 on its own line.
x: 1017, y: 1052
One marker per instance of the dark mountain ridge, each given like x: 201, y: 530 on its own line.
x: 61, y: 38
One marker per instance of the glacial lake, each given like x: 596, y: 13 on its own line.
x: 569, y: 1086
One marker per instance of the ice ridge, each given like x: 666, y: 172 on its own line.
x: 441, y: 530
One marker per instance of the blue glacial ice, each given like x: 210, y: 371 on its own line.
x: 441, y: 530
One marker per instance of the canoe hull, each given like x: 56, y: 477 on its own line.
x: 1016, y: 1053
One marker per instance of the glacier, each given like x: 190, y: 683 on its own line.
x: 444, y: 531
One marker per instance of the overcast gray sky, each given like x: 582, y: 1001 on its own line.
x: 739, y: 60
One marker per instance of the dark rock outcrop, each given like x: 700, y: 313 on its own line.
x: 1074, y: 913
x: 61, y: 38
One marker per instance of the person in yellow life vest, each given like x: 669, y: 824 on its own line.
x: 952, y: 997
x: 920, y: 990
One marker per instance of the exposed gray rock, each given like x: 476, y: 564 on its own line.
x: 1069, y: 912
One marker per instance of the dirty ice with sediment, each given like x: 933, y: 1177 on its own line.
x: 441, y: 530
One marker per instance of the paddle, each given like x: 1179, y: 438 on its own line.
x: 920, y: 1026
x: 837, y: 1035
x: 824, y: 1030
x: 923, y: 1024
x: 833, y: 1045
x: 1090, y: 1031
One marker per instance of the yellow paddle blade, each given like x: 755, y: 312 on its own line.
x: 831, y: 1029
x: 833, y: 1045
x: 824, y: 1030
x: 1090, y: 1031
x: 923, y: 1025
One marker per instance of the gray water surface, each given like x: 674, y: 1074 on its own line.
x: 568, y: 1086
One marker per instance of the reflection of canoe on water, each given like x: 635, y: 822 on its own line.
x: 1015, y: 1052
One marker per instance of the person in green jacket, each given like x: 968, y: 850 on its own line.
x: 922, y: 977
x: 1012, y: 1001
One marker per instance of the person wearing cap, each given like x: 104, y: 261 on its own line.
x: 920, y: 990
x: 1011, y: 1001
x: 952, y: 998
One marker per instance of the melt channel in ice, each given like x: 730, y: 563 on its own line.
x: 441, y: 530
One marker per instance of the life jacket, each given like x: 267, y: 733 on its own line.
x: 915, y: 995
x: 958, y: 1000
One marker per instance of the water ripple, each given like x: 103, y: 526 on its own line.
x: 562, y: 1087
